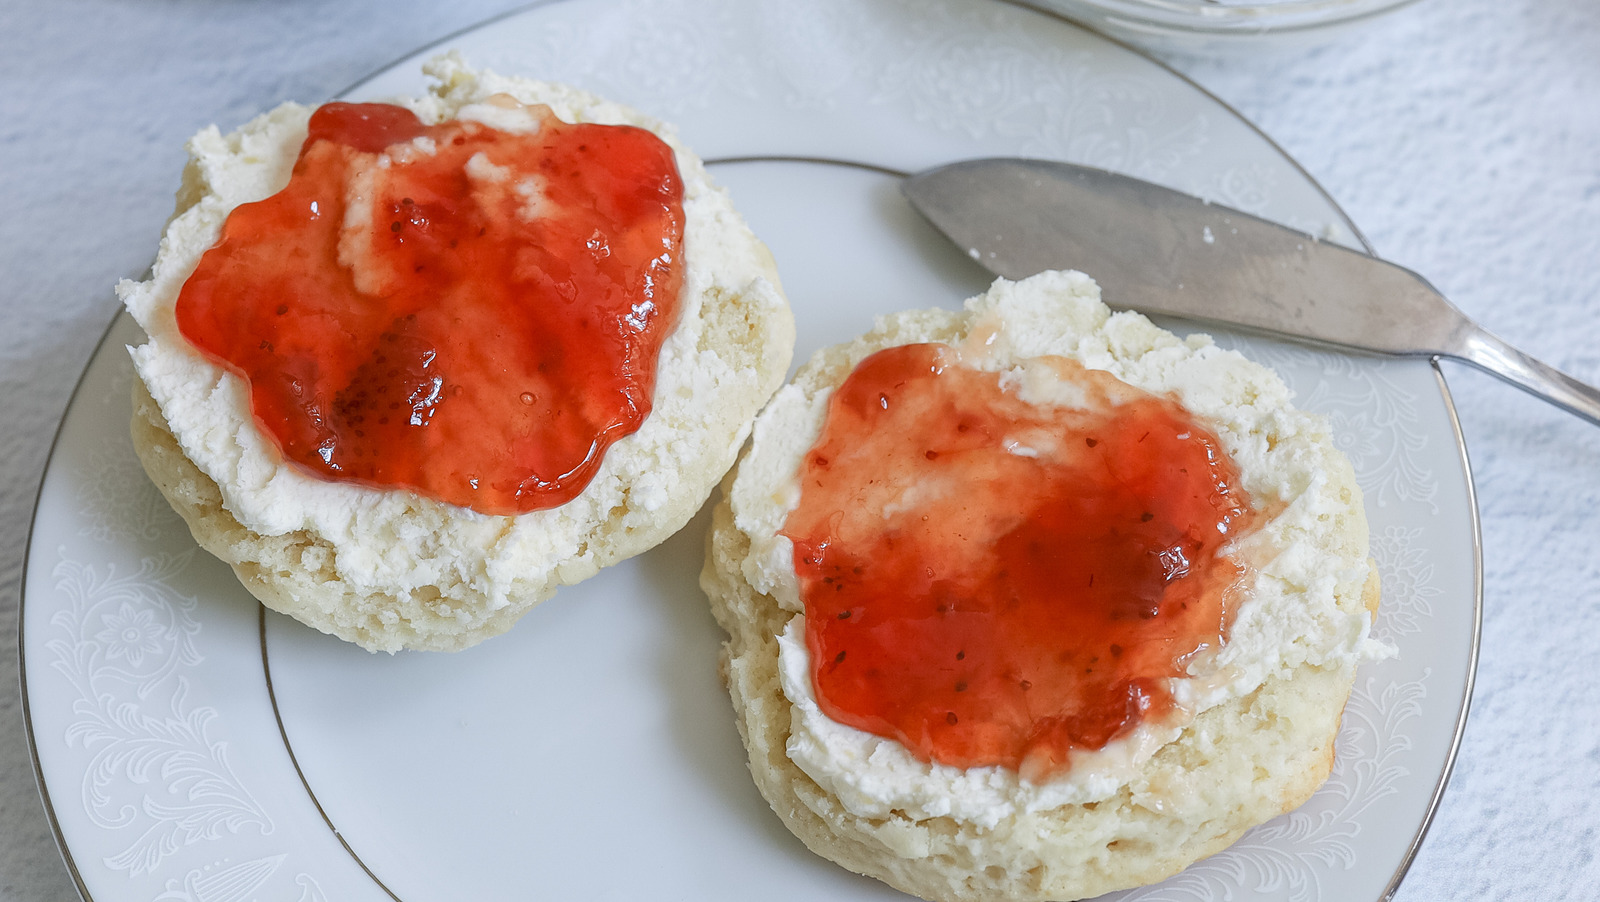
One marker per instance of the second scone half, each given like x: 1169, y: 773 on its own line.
x: 920, y: 749
x: 389, y: 568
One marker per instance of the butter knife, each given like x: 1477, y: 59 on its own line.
x: 1163, y: 252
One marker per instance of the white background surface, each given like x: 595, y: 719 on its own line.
x: 1460, y: 135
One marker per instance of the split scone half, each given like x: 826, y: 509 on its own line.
x: 1242, y: 729
x: 388, y: 568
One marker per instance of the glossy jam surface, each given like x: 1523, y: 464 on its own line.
x: 994, y: 581
x: 471, y: 313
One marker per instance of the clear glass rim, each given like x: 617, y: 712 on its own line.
x: 1193, y: 16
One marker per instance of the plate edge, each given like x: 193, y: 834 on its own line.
x: 22, y: 604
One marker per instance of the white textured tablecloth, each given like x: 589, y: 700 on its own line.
x: 1462, y: 136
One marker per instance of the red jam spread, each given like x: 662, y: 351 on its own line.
x: 991, y: 581
x: 471, y: 313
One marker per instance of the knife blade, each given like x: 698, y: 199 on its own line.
x: 1163, y: 252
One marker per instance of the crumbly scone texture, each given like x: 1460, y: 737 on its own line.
x: 389, y: 569
x: 1236, y: 765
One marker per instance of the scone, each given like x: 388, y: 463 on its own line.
x: 392, y: 545
x: 914, y: 712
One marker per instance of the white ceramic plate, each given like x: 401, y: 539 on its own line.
x: 194, y: 748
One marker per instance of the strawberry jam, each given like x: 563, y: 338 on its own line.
x: 468, y: 312
x: 997, y: 581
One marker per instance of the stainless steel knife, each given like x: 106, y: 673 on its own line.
x: 1160, y: 251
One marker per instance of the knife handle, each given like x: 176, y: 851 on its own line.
x: 1490, y: 354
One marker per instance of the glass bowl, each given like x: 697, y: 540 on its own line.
x: 1220, y: 25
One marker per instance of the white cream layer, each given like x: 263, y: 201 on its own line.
x: 392, y: 540
x: 1289, y: 614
